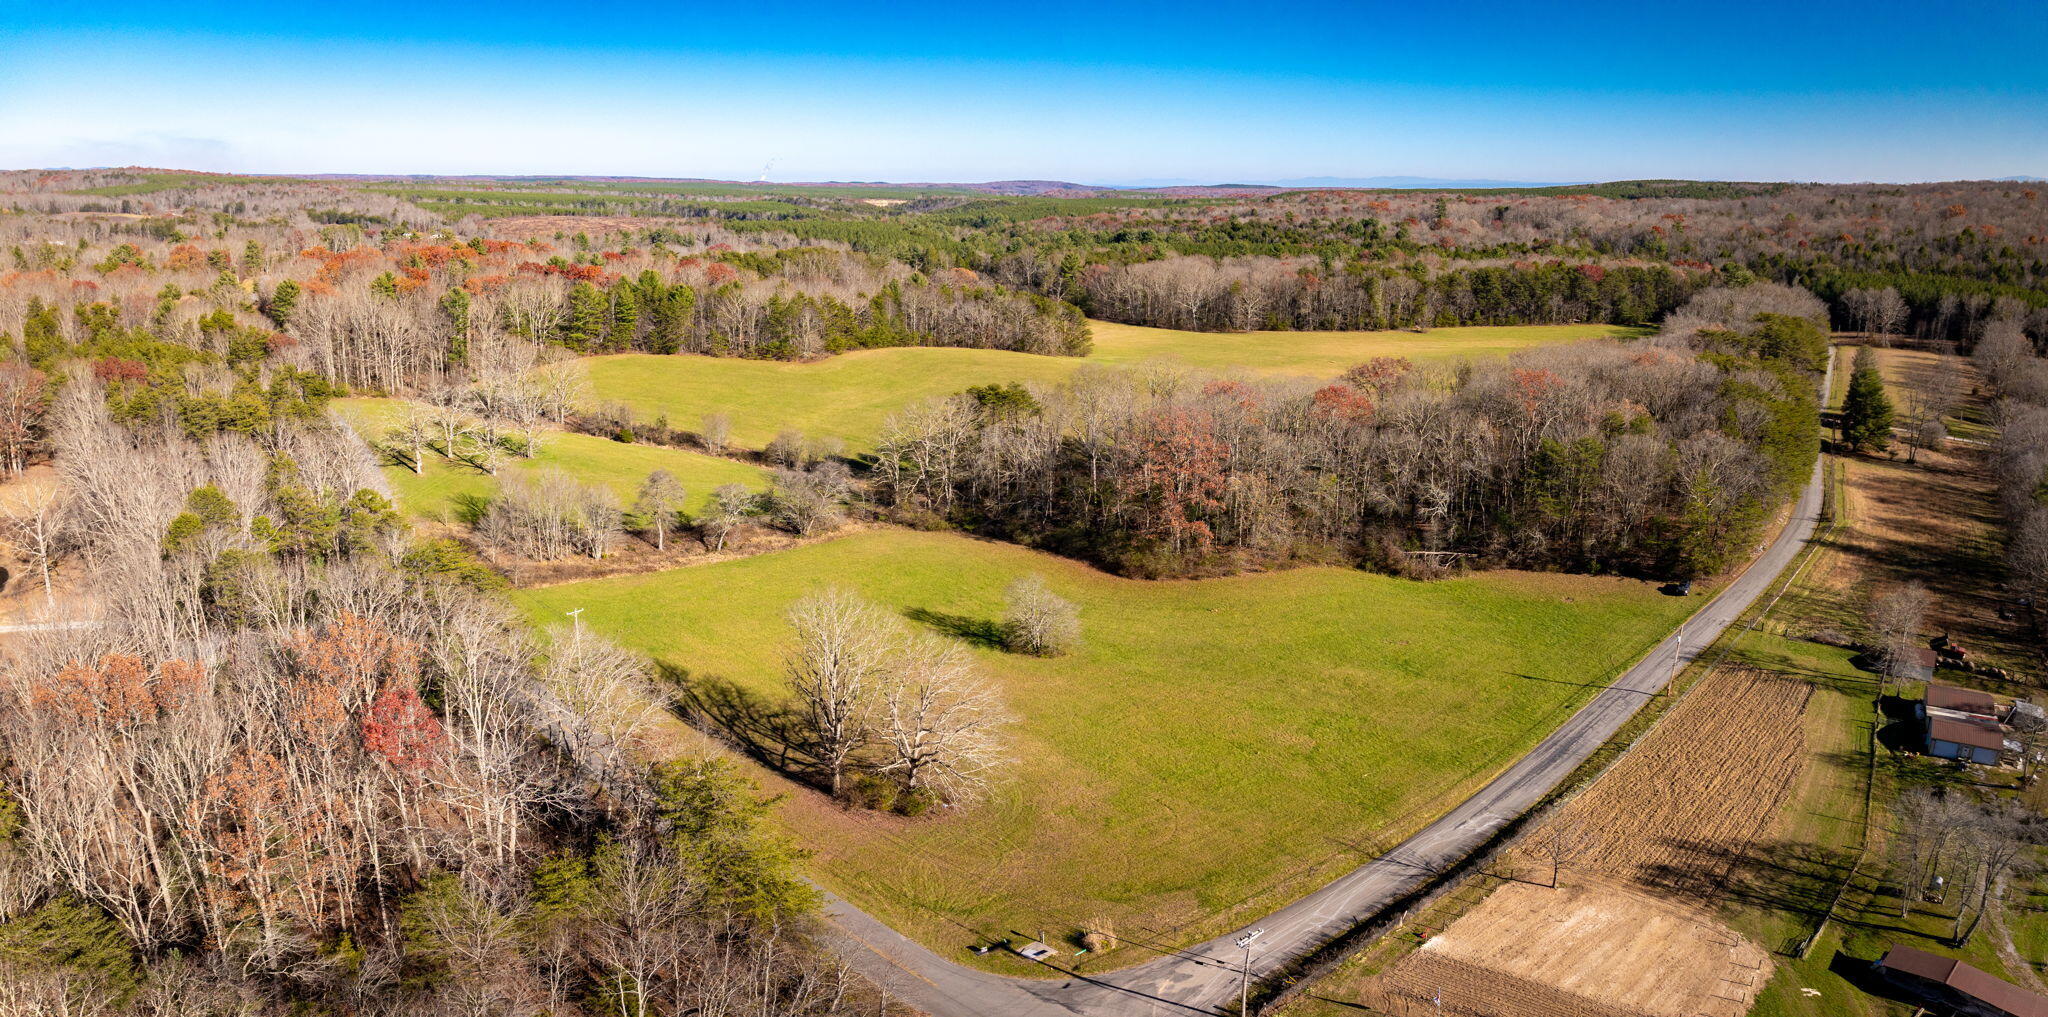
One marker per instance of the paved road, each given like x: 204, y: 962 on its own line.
x: 1203, y: 979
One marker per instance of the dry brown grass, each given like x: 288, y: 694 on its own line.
x: 1587, y: 950
x: 1698, y: 793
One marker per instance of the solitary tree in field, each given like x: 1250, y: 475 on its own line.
x: 1867, y: 411
x: 659, y: 503
x: 1561, y: 841
x: 1894, y: 619
x: 1039, y: 621
x: 837, y: 670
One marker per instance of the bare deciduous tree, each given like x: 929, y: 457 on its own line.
x: 715, y: 432
x: 837, y: 668
x: 1038, y: 621
x: 659, y: 503
x: 731, y: 504
x: 1894, y: 618
x: 939, y: 719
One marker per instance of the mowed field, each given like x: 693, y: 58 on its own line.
x: 849, y: 395
x: 449, y: 491
x: 1216, y: 746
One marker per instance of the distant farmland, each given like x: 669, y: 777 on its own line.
x: 849, y: 395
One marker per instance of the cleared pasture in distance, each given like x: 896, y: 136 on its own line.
x: 456, y: 492
x: 1327, y: 353
x: 1215, y: 747
x: 848, y: 396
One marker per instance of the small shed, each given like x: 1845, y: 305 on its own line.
x: 1968, y: 739
x: 2027, y: 716
x: 1919, y: 664
x: 1950, y: 983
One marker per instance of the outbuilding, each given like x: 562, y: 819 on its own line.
x: 1920, y: 663
x: 1970, y: 740
x: 1951, y: 984
x: 1962, y: 724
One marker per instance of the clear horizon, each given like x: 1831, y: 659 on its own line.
x: 1827, y: 92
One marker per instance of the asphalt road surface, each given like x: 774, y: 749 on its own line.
x: 1204, y: 979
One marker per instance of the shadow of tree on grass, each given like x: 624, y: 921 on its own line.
x: 983, y: 632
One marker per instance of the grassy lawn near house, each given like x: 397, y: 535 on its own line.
x: 1216, y: 747
x: 450, y: 491
x: 849, y: 395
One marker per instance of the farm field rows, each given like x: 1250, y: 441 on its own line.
x: 1694, y: 797
x: 1631, y: 926
x: 1315, y: 714
x: 448, y: 491
x: 849, y: 395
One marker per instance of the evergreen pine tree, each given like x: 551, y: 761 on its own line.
x: 625, y: 331
x: 1867, y: 411
x: 282, y: 300
x: 584, y: 328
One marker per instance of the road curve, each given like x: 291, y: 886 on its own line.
x: 1203, y: 979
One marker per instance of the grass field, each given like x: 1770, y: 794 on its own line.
x: 1216, y: 747
x: 848, y: 396
x: 455, y: 492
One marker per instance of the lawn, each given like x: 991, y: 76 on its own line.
x: 455, y: 492
x: 1217, y: 747
x: 848, y: 396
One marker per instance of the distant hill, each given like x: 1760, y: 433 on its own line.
x: 1417, y: 183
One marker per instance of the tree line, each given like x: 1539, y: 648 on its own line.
x: 1657, y: 456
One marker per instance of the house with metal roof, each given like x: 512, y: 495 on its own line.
x: 1962, y: 724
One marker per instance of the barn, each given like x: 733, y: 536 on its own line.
x: 1951, y: 984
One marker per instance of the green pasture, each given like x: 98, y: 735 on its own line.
x: 1216, y: 747
x: 849, y: 396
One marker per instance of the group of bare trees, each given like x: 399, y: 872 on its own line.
x: 2018, y: 376
x: 1263, y: 292
x: 290, y: 754
x: 910, y: 706
x: 1959, y: 853
x: 549, y: 514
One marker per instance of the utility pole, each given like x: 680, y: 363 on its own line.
x: 576, y: 622
x: 1244, y: 974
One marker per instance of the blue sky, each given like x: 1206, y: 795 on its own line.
x: 1098, y: 93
